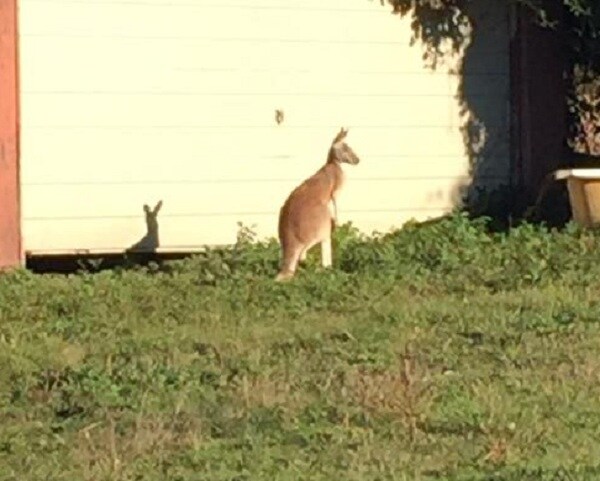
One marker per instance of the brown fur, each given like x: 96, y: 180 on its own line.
x: 305, y: 218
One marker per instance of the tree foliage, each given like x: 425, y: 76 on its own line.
x: 438, y: 24
x: 580, y: 21
x: 580, y: 27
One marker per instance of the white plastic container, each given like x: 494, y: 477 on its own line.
x: 584, y: 194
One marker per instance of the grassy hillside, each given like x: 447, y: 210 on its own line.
x: 435, y: 352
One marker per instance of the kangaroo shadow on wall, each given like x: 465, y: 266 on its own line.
x: 150, y: 242
x: 141, y: 253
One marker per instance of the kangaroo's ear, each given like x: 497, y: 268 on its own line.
x: 341, y: 135
x: 157, y: 207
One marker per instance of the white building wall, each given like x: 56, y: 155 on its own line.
x: 127, y: 102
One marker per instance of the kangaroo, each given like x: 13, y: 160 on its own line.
x: 309, y: 213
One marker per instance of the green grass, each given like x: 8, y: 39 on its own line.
x: 435, y: 352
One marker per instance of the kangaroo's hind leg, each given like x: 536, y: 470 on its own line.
x: 290, y: 263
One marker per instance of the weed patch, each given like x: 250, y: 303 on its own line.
x: 438, y: 351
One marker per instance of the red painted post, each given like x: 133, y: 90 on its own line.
x: 11, y: 253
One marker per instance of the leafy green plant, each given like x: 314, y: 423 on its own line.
x: 206, y: 365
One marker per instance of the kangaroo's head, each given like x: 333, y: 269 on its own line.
x: 340, y: 152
